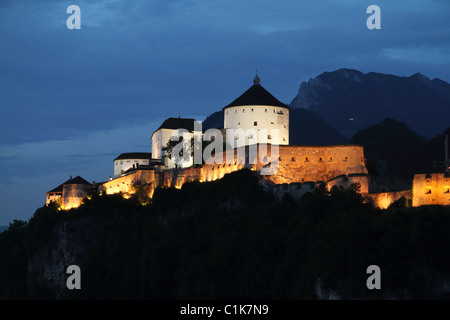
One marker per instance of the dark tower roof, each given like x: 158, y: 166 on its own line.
x: 76, y: 180
x: 256, y: 95
x: 178, y: 123
x: 134, y: 155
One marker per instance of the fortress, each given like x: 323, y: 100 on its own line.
x: 256, y: 135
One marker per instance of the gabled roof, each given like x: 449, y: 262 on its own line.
x: 58, y: 189
x: 76, y: 180
x: 134, y: 155
x: 256, y: 95
x: 179, y: 123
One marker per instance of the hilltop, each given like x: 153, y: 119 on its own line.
x: 215, y: 241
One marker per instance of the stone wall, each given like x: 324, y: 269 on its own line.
x: 383, y: 200
x: 126, y: 184
x: 73, y: 195
x: 431, y: 189
x: 291, y: 163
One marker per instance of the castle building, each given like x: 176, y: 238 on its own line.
x: 69, y: 194
x: 256, y: 125
x: 260, y: 116
x: 162, y: 136
x: 127, y: 161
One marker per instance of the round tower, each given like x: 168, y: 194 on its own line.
x: 262, y: 117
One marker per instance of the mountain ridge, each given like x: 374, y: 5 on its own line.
x: 350, y: 100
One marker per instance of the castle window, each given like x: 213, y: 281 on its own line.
x: 293, y: 159
x: 243, y: 110
x: 279, y: 158
x: 306, y: 159
x: 284, y: 139
x: 227, y: 112
x: 239, y: 123
x: 320, y: 159
x: 274, y: 111
x: 447, y: 190
x: 345, y: 158
x: 117, y: 163
x: 252, y: 110
x: 331, y: 159
x: 255, y: 123
x: 272, y: 123
x: 285, y: 126
x: 265, y: 110
x: 121, y: 162
x: 428, y: 191
x: 269, y: 137
x: 128, y: 161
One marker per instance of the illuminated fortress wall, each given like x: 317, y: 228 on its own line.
x: 175, y: 178
x: 295, y: 163
x: 73, y: 195
x: 383, y: 200
x: 126, y: 184
x: 429, y: 189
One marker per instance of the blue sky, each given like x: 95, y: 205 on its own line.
x: 72, y: 100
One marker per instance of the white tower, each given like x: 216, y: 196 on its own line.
x: 260, y: 115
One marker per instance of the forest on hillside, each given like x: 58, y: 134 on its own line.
x: 230, y: 239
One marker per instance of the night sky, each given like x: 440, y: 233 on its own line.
x: 73, y: 100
